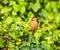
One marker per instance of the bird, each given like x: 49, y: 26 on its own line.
x: 34, y: 24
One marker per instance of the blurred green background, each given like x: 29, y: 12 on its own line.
x: 15, y: 18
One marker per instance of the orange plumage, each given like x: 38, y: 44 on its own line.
x: 34, y: 24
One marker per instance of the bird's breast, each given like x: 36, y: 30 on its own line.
x: 33, y: 25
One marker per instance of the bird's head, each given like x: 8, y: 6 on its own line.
x: 34, y: 19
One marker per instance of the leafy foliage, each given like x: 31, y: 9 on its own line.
x: 15, y: 18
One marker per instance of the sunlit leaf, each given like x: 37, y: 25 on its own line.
x: 9, y: 20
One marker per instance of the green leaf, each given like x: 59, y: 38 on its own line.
x: 25, y: 48
x: 9, y: 20
x: 37, y: 36
x: 16, y: 7
x: 10, y: 44
x: 36, y: 48
x: 19, y: 7
x: 22, y: 9
x: 35, y: 7
x: 43, y: 13
x: 37, y: 0
x: 57, y: 19
x: 1, y: 6
x: 5, y: 1
x: 30, y: 16
x: 14, y: 34
x: 1, y: 43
